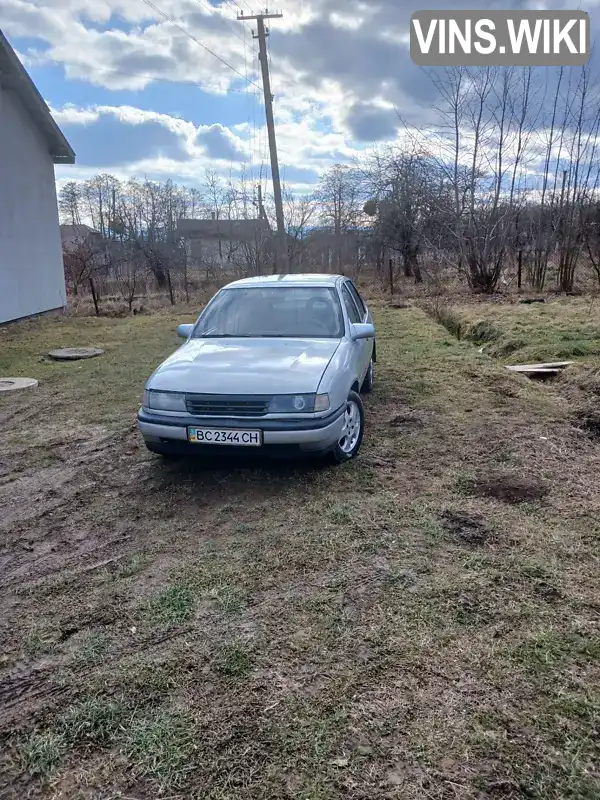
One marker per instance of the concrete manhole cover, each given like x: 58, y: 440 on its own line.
x: 75, y: 353
x: 15, y: 384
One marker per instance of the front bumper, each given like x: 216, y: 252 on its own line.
x: 314, y: 435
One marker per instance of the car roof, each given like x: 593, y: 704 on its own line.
x: 288, y: 280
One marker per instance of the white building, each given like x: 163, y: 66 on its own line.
x: 31, y: 266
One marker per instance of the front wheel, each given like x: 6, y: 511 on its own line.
x: 352, y: 433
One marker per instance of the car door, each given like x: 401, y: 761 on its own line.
x: 365, y: 312
x: 363, y: 347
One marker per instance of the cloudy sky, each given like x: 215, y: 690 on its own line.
x: 136, y: 93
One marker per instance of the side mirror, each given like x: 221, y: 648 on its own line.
x: 184, y: 331
x: 362, y: 330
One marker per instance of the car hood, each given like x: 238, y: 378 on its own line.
x: 245, y: 366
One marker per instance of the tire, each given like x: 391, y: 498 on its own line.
x: 367, y: 386
x: 348, y: 446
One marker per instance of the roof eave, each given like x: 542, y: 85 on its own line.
x: 59, y: 148
x: 64, y: 158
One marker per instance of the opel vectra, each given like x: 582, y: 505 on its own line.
x: 275, y: 363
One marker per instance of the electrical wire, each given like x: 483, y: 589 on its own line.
x: 153, y: 78
x: 255, y: 132
x: 165, y: 16
x: 225, y: 19
x: 247, y: 104
x: 237, y: 8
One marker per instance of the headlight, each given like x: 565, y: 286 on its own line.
x: 298, y: 403
x: 164, y: 401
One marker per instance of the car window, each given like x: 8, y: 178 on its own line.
x: 353, y: 312
x: 357, y: 299
x: 265, y: 312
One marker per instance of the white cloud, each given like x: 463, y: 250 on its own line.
x: 337, y: 65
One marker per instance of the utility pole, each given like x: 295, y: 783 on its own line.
x: 264, y: 62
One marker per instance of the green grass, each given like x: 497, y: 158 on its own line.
x: 340, y: 514
x: 131, y: 566
x: 42, y: 752
x: 551, y: 648
x: 160, y: 748
x: 175, y: 604
x: 95, y: 721
x: 558, y: 330
x: 98, y: 390
x: 233, y: 660
x: 229, y: 599
x: 41, y: 641
x: 94, y: 648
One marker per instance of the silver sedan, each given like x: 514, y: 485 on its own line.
x: 275, y: 363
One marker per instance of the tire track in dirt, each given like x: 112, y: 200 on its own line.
x: 46, y: 512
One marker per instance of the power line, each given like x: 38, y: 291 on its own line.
x: 153, y: 78
x: 237, y: 8
x: 212, y: 9
x: 247, y: 103
x: 197, y: 41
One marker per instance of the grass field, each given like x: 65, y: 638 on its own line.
x: 421, y: 623
x: 516, y: 333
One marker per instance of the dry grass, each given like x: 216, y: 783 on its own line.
x: 559, y: 329
x: 418, y: 624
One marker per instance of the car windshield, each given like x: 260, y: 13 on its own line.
x: 283, y: 312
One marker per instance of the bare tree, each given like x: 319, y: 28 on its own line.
x: 83, y: 261
x: 405, y: 190
x: 340, y: 198
x: 300, y: 213
x: 69, y: 203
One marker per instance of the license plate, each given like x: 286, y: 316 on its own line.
x: 225, y: 437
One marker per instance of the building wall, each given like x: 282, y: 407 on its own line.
x: 31, y: 267
x: 220, y: 252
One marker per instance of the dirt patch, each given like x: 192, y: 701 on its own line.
x: 30, y: 497
x: 547, y: 591
x: 510, y: 488
x: 466, y: 528
x: 504, y: 387
x: 589, y: 421
x: 407, y: 422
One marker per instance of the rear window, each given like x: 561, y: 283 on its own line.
x: 357, y: 298
x: 353, y: 312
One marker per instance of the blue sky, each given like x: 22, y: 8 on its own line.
x: 138, y: 95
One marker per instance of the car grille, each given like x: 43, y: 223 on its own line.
x: 210, y: 405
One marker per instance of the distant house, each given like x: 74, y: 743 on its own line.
x: 74, y: 236
x: 226, y: 243
x: 329, y: 251
x: 31, y: 266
